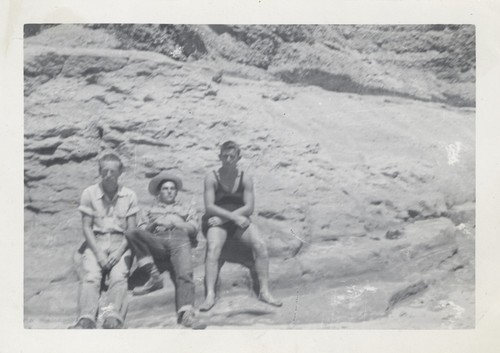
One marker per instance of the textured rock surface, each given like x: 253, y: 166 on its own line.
x: 359, y: 59
x: 365, y: 198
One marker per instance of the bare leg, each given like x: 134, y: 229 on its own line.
x: 216, y: 237
x: 251, y: 238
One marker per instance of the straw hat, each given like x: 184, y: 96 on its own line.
x: 160, y: 178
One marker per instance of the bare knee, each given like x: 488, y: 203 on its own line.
x: 259, y: 248
x: 214, y: 251
x: 216, y: 239
x: 257, y: 244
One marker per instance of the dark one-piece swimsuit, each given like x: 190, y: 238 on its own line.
x: 227, y: 200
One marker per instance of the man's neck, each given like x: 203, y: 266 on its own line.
x: 228, y: 170
x: 110, y: 189
x: 166, y: 202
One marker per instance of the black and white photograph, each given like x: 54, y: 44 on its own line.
x: 249, y: 176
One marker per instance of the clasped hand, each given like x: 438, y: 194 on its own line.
x: 240, y: 221
x: 215, y: 221
x: 168, y: 222
x: 107, y: 262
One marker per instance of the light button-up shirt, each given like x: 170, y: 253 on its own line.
x: 160, y: 210
x: 109, y: 216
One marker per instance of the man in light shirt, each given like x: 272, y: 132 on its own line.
x: 108, y: 209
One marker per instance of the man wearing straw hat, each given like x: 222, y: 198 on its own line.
x: 167, y: 234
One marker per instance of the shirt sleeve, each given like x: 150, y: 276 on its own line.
x: 86, y: 204
x: 145, y: 219
x: 134, y: 205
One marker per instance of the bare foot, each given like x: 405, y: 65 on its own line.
x: 266, y: 297
x: 208, y: 303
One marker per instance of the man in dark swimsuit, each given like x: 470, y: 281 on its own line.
x: 229, y: 203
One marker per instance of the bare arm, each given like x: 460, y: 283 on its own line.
x: 115, y: 256
x: 248, y: 199
x: 131, y: 224
x: 88, y: 233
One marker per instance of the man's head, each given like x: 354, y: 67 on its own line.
x: 167, y: 191
x: 229, y: 153
x: 110, y: 168
x: 165, y: 186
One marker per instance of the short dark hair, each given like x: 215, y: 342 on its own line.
x: 230, y: 145
x: 110, y: 157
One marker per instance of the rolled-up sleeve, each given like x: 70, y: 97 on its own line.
x: 86, y: 203
x: 133, y: 205
x: 144, y: 219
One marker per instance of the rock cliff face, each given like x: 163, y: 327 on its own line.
x: 361, y: 140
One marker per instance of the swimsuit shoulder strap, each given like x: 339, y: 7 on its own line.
x: 240, y: 186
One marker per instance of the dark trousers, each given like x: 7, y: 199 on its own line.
x: 173, y: 247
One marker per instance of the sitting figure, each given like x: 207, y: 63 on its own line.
x: 229, y: 203
x: 108, y: 209
x: 166, y: 235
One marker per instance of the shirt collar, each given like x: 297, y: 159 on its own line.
x: 163, y: 204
